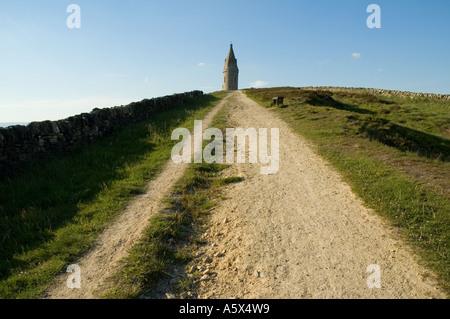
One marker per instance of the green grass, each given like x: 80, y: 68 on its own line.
x: 398, y: 164
x: 426, y: 115
x: 228, y: 180
x: 51, y: 212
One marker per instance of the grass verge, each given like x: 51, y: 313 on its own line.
x: 51, y: 213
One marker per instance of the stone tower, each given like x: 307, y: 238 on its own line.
x: 230, y: 72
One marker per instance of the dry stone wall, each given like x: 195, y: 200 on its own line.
x: 21, y: 145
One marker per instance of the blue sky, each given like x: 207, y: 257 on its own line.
x: 130, y: 50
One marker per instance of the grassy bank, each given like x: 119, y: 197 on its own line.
x: 51, y: 213
x: 393, y: 151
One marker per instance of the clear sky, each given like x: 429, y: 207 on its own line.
x: 130, y: 50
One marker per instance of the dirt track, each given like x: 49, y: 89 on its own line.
x: 300, y: 233
x: 115, y: 242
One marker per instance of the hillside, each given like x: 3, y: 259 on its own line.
x: 333, y: 209
x: 364, y: 179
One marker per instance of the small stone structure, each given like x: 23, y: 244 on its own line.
x: 279, y: 100
x: 21, y: 145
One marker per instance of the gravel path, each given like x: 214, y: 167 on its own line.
x: 301, y: 233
